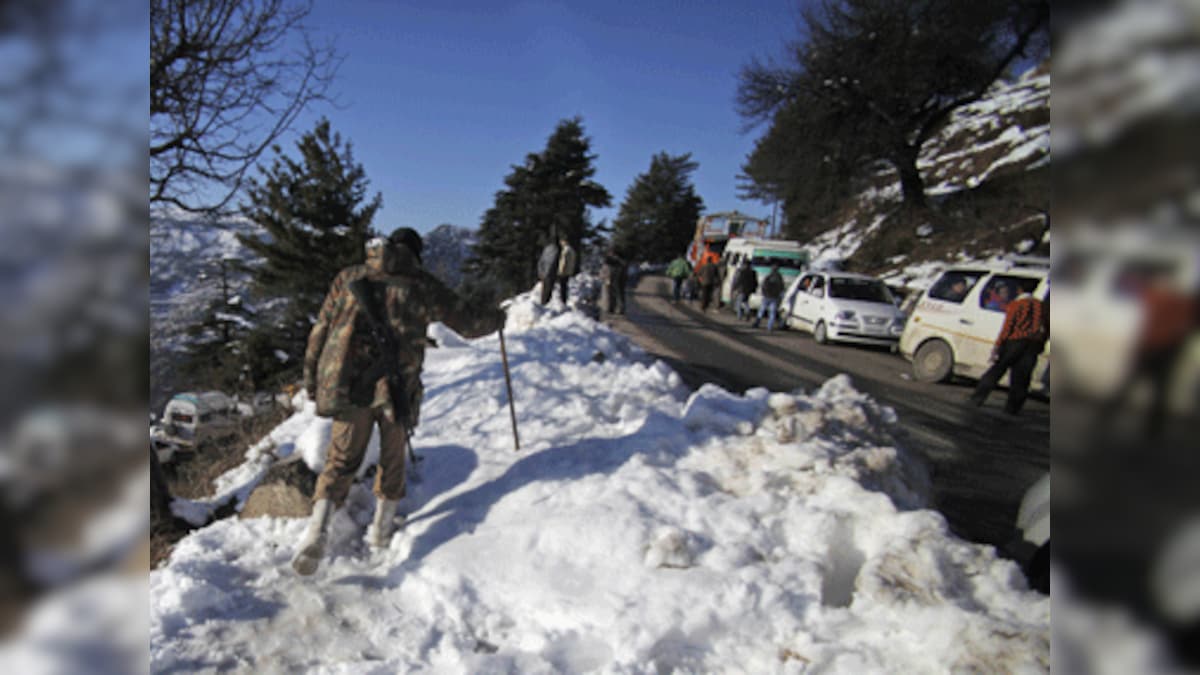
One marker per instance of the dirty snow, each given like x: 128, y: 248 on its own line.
x: 640, y: 528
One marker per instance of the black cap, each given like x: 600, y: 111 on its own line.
x: 409, y: 238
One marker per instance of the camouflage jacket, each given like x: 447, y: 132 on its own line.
x: 342, y: 367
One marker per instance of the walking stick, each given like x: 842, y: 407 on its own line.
x: 413, y: 457
x: 512, y: 411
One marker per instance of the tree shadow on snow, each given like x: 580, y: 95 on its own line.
x: 657, y: 439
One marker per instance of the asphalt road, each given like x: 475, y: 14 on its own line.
x: 981, y: 460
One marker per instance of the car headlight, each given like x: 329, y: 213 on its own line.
x: 846, y: 315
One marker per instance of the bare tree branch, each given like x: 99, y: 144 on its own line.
x: 227, y: 79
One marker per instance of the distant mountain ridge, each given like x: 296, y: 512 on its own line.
x: 446, y: 248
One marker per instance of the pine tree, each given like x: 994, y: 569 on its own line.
x: 215, y: 358
x: 315, y: 220
x: 547, y: 196
x: 658, y: 217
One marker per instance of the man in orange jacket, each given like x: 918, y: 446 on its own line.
x: 1022, y: 338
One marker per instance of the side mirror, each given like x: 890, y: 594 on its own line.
x: 818, y: 293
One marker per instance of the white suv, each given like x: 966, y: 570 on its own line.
x: 840, y: 306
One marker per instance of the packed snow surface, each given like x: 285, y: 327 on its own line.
x: 641, y: 528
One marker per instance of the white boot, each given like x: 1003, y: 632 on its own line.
x: 312, y: 546
x: 379, y: 533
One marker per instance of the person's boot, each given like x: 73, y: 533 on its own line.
x: 312, y: 546
x: 379, y: 532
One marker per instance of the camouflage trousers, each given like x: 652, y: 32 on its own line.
x: 348, y: 444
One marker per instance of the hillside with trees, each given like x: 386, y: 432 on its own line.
x: 885, y: 126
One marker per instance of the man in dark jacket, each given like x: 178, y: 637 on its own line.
x: 547, y: 269
x: 615, y: 275
x: 344, y: 373
x: 568, y: 265
x: 745, y: 282
x: 772, y: 291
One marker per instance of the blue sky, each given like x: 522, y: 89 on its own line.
x: 440, y: 98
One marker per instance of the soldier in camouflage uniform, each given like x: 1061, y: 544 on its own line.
x: 344, y: 373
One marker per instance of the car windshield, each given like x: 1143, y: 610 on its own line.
x: 867, y: 290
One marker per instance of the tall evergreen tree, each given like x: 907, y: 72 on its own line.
x: 548, y: 195
x: 658, y: 217
x: 315, y: 220
x: 875, y: 79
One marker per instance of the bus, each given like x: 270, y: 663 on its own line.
x: 713, y: 232
x: 790, y: 256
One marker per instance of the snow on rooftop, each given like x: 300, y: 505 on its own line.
x: 640, y: 528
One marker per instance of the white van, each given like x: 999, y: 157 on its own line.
x: 195, y: 419
x: 791, y: 257
x: 954, y: 325
x: 843, y: 307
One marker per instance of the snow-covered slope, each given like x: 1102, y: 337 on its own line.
x: 185, y: 279
x: 1002, y: 138
x: 640, y: 528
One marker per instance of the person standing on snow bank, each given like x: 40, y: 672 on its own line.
x: 547, y: 270
x: 678, y: 271
x: 568, y: 264
x: 347, y: 376
x: 615, y: 274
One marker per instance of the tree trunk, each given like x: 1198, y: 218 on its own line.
x: 911, y: 183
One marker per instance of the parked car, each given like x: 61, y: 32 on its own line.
x: 191, y: 420
x: 954, y: 326
x: 842, y: 306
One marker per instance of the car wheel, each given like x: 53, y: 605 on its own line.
x: 933, y: 361
x: 819, y: 333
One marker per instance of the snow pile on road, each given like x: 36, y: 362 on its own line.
x: 639, y: 529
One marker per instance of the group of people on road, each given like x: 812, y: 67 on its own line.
x: 707, y: 277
